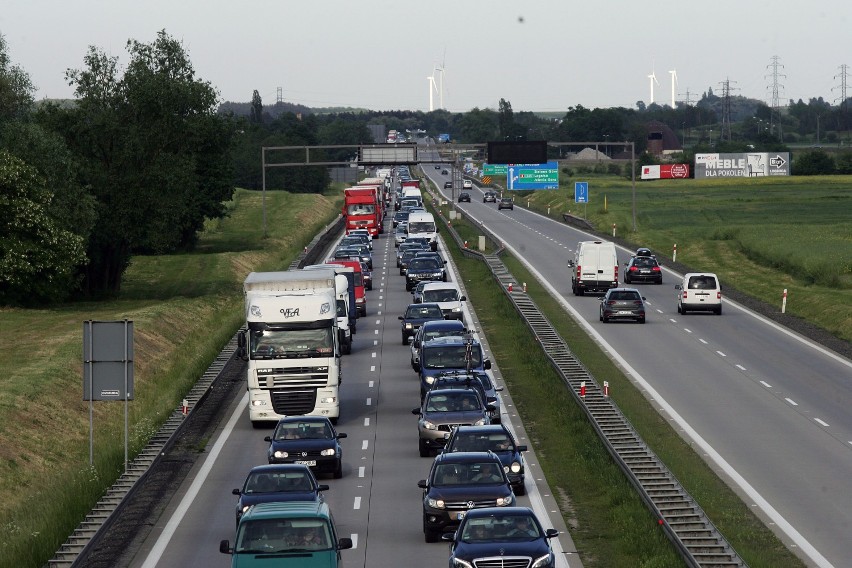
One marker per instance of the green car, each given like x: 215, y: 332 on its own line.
x: 297, y: 534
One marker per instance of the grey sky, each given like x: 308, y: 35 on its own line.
x: 377, y: 54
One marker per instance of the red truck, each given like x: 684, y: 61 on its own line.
x: 363, y: 209
x: 360, y: 291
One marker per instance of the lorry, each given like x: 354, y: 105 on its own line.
x: 363, y: 209
x: 344, y: 280
x: 594, y: 267
x: 291, y: 345
x: 422, y: 224
x: 382, y: 186
x: 358, y: 279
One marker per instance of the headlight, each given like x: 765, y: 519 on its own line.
x: 258, y: 403
x: 280, y: 454
x: 458, y: 563
x: 516, y: 467
x: 545, y: 561
x: 457, y: 309
x: 429, y: 380
x: 408, y: 326
x: 505, y: 501
x: 245, y: 508
x: 429, y: 425
x: 328, y: 452
x: 435, y: 503
x: 480, y: 422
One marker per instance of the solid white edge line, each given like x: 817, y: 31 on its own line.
x: 165, y: 537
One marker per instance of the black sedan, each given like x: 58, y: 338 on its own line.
x: 643, y: 269
x: 278, y: 482
x: 622, y: 303
x: 415, y: 316
x: 464, y: 196
x: 307, y: 440
x: 503, y: 533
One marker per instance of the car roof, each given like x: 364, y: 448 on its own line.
x: 279, y: 467
x: 443, y: 324
x: 423, y: 305
x: 466, y: 457
x: 286, y: 509
x: 501, y: 511
x: 441, y: 285
x: 449, y: 340
x: 292, y: 419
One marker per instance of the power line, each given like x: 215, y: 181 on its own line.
x: 726, y: 110
x: 776, y: 88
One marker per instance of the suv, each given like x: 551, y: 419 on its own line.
x: 444, y: 409
x: 459, y: 482
x: 431, y: 330
x: 467, y: 184
x: 699, y: 291
x: 447, y: 295
x: 506, y: 203
x: 449, y: 353
x: 489, y: 197
x: 419, y: 269
x: 477, y: 380
x: 492, y: 438
x: 511, y: 535
x: 292, y: 534
x: 464, y: 196
x: 448, y: 185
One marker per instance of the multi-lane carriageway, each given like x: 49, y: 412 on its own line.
x: 377, y: 502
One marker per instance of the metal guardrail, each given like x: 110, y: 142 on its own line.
x: 695, y: 537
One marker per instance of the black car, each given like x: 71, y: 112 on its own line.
x: 622, y: 303
x: 307, y: 440
x: 432, y: 330
x: 511, y: 535
x: 278, y: 482
x: 366, y: 276
x: 505, y: 203
x: 428, y: 253
x: 424, y: 269
x: 643, y: 269
x: 479, y: 380
x: 448, y: 185
x: 489, y: 197
x: 415, y: 316
x: 417, y: 292
x: 407, y: 245
x: 464, y: 196
x: 437, y: 167
x: 364, y: 254
x: 405, y: 259
x: 492, y: 438
x: 458, y: 483
x: 444, y: 172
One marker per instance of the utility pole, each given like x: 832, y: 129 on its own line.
x: 776, y: 88
x: 726, y: 110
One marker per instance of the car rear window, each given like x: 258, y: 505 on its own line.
x: 624, y: 296
x: 702, y: 283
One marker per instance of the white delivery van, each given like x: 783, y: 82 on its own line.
x: 447, y: 295
x: 594, y: 268
x: 699, y: 292
x: 422, y: 224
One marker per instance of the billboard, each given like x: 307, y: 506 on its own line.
x: 665, y: 171
x: 752, y: 164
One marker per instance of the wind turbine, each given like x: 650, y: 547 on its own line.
x: 432, y: 88
x: 673, y: 73
x: 441, y: 80
x: 652, y: 79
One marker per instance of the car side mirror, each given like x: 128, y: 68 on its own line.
x: 236, y: 492
x: 422, y: 484
x: 487, y: 364
x: 400, y: 318
x: 550, y: 533
x: 322, y: 488
x: 677, y: 287
x: 522, y: 448
x: 242, y: 353
x: 225, y: 547
x: 415, y: 411
x: 463, y: 298
x: 340, y: 435
x: 267, y: 439
x: 449, y: 537
x: 344, y: 543
x: 570, y: 263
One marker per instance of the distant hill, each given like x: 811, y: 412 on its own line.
x: 279, y: 108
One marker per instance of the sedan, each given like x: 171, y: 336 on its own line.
x: 307, y: 440
x: 448, y: 185
x: 643, y: 269
x: 622, y: 303
x: 278, y: 482
x: 502, y: 533
x: 464, y: 196
x: 444, y: 172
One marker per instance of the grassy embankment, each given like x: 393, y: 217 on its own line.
x: 185, y: 307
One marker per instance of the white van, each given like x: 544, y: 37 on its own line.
x: 422, y: 224
x: 447, y: 295
x: 595, y: 267
x: 699, y: 292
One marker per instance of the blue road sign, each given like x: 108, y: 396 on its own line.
x: 581, y: 192
x: 533, y: 176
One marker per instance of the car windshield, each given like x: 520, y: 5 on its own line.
x: 450, y: 356
x: 303, y: 431
x: 422, y: 311
x: 449, y: 295
x: 279, y: 535
x: 276, y: 482
x: 500, y: 528
x: 361, y: 209
x: 453, y: 402
x: 424, y: 264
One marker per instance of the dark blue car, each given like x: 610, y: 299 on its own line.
x: 511, y: 534
x: 307, y: 440
x: 415, y: 316
x: 278, y: 482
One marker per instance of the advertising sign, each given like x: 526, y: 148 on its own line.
x: 665, y: 171
x: 752, y: 164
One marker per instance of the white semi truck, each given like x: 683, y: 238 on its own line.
x: 291, y: 345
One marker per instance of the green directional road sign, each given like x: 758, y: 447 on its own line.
x: 495, y: 169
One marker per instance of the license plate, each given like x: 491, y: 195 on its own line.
x: 644, y: 272
x: 309, y: 463
x: 460, y: 515
x: 624, y: 313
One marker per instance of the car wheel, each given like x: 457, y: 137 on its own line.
x: 424, y: 449
x: 642, y: 319
x: 718, y: 310
x: 600, y: 316
x: 679, y: 309
x: 604, y: 319
x: 520, y: 489
x: 338, y: 473
x: 405, y: 340
x: 431, y: 535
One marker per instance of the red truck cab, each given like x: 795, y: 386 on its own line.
x: 363, y: 209
x: 360, y: 291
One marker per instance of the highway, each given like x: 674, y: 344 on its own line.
x: 766, y: 407
x: 377, y: 502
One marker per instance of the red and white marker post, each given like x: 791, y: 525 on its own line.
x: 784, y: 301
x: 583, y: 390
x: 606, y: 389
x: 674, y: 253
x: 184, y: 407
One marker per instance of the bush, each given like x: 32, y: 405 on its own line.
x: 814, y: 163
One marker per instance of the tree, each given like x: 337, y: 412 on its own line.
x: 38, y: 258
x: 505, y: 118
x: 256, y: 108
x: 814, y: 163
x: 153, y: 150
x: 16, y: 88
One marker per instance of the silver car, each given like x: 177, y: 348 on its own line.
x: 444, y: 409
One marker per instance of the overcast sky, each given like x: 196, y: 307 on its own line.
x: 540, y: 55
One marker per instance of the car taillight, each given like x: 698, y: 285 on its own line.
x: 719, y: 295
x: 616, y: 273
x: 633, y: 269
x: 579, y: 272
x: 655, y: 269
x: 637, y: 302
x: 610, y: 303
x: 684, y: 295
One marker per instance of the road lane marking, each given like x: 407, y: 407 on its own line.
x: 357, y: 504
x: 365, y: 444
x: 361, y: 471
x: 820, y: 422
x: 720, y: 353
x: 791, y: 401
x: 740, y: 367
x: 367, y: 421
x: 702, y: 341
x: 767, y: 385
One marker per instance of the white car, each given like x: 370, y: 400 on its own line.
x: 699, y: 291
x: 448, y: 296
x: 467, y: 184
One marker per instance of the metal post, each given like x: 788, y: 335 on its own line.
x: 633, y: 179
x: 91, y: 397
x: 263, y: 200
x: 126, y: 403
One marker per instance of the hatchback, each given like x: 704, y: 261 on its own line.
x: 506, y: 203
x: 307, y: 440
x: 464, y: 196
x: 622, y: 303
x: 700, y: 292
x: 277, y: 482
